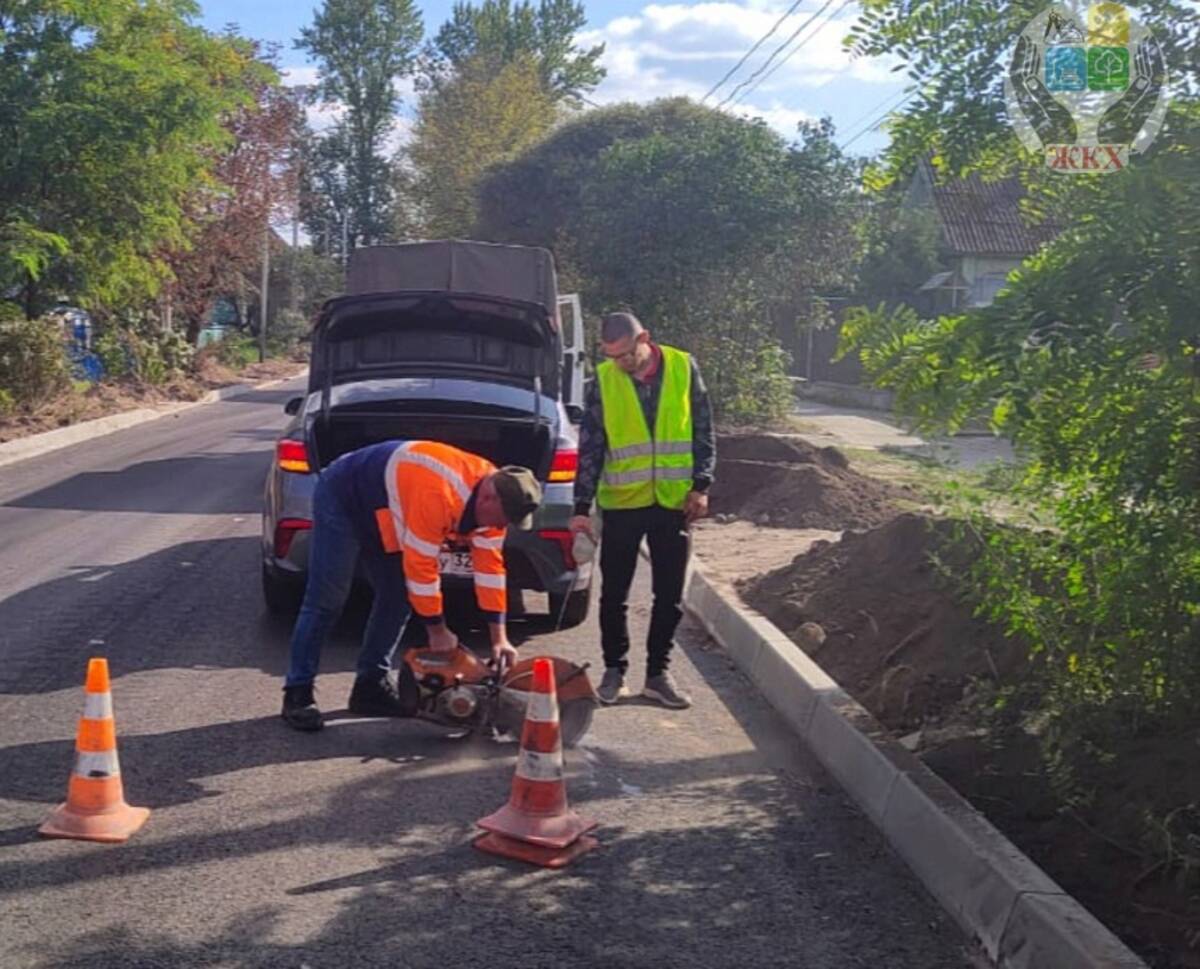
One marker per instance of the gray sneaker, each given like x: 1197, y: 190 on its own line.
x: 662, y: 689
x: 612, y: 686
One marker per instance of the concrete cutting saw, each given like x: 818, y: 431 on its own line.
x: 455, y: 688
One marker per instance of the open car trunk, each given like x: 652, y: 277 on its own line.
x: 498, y: 423
x: 458, y: 342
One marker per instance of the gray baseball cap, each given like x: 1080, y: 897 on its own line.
x: 520, y: 494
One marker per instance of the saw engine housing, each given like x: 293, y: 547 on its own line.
x: 457, y: 689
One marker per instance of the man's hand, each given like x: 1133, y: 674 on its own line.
x: 582, y: 523
x: 442, y: 638
x: 696, y: 506
x: 506, y: 652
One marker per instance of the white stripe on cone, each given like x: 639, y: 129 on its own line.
x: 533, y: 766
x: 542, y: 708
x: 97, y: 706
x: 96, y: 765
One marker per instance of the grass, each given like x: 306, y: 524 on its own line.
x: 238, y: 352
x: 941, y: 487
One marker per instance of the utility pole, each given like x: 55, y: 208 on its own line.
x: 262, y: 303
x: 294, y: 291
x: 345, y: 236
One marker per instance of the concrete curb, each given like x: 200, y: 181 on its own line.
x: 36, y: 445
x: 1018, y: 914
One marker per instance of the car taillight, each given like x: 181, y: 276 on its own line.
x: 564, y: 466
x: 285, y: 532
x: 565, y: 540
x: 292, y: 456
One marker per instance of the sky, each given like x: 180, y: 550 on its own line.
x: 664, y: 49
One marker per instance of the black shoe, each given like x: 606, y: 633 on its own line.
x: 300, y: 708
x: 376, y: 696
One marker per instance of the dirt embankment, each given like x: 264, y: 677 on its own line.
x: 896, y: 634
x: 880, y: 610
x: 787, y: 482
x: 116, y: 396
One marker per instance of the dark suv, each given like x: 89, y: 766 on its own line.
x: 462, y: 342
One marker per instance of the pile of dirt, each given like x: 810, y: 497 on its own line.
x: 1096, y: 847
x: 787, y: 482
x: 896, y: 634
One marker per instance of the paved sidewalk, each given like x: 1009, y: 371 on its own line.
x: 872, y: 430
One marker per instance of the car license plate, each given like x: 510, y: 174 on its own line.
x: 455, y: 562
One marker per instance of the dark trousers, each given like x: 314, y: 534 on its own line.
x: 667, y: 535
x: 333, y: 553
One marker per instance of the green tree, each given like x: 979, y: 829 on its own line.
x: 309, y: 278
x: 504, y: 32
x: 899, y: 250
x: 1089, y: 362
x: 708, y: 225
x: 362, y: 48
x: 478, y: 119
x: 254, y: 178
x: 957, y: 56
x: 110, y: 114
x: 326, y: 193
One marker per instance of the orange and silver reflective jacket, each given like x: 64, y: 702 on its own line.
x: 427, y: 486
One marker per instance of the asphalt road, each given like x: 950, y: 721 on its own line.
x: 724, y: 844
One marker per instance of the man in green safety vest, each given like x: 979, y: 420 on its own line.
x: 646, y: 454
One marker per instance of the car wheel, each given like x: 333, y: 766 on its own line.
x: 282, y: 596
x: 574, y: 612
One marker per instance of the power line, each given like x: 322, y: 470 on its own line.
x: 875, y: 107
x: 790, y: 54
x: 757, y: 44
x: 775, y: 53
x: 879, y: 120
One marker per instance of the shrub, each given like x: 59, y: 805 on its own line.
x: 177, y: 354
x: 33, y: 364
x: 238, y: 352
x: 153, y: 357
x: 287, y: 331
x: 114, y: 354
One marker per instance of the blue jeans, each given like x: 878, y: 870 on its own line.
x: 334, y: 550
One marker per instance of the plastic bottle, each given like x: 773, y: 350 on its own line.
x: 583, y: 548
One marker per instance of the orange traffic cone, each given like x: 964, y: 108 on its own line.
x: 95, y: 809
x: 536, y: 825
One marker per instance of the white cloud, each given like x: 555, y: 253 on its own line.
x: 672, y: 49
x: 623, y: 26
x: 779, y: 117
x: 298, y: 75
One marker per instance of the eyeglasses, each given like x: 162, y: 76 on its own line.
x: 630, y: 354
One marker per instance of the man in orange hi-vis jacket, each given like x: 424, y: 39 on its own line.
x: 391, y: 507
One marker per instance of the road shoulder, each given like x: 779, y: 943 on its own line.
x: 36, y: 445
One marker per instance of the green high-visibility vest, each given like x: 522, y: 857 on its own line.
x: 640, y: 470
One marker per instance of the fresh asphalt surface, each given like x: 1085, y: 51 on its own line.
x: 723, y: 842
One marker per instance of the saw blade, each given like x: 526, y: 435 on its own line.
x: 574, y: 716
